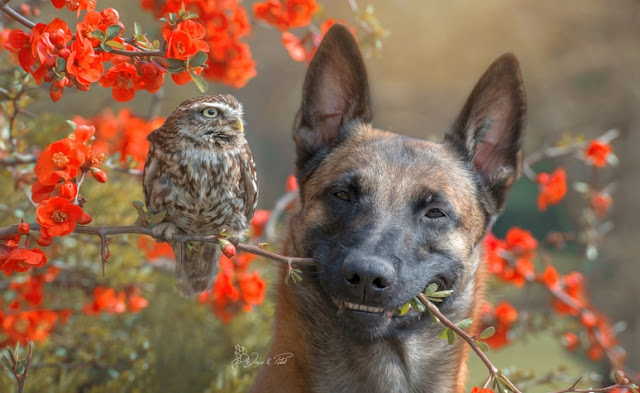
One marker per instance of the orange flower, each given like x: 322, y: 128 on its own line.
x: 19, y: 43
x: 521, y: 243
x: 597, y: 153
x: 260, y: 219
x: 299, y: 12
x: 552, y: 187
x: 570, y: 341
x: 501, y: 318
x: 294, y: 13
x: 573, y: 285
x: 57, y: 217
x: 600, y: 204
x: 83, y: 64
x: 106, y: 300
x: 481, y: 390
x: 123, y: 79
x: 550, y: 277
x: 151, y: 76
x: 135, y: 303
x: 252, y: 287
x: 61, y: 160
x: 291, y: 184
x: 40, y: 192
x: 294, y: 46
x: 22, y: 259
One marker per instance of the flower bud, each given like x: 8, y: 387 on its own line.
x: 85, y: 219
x: 99, y: 175
x: 44, y: 241
x: 24, y: 228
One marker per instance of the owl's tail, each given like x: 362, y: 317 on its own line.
x: 198, y: 268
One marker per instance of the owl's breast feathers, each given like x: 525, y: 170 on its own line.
x: 203, y: 190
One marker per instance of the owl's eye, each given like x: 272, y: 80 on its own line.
x: 211, y: 112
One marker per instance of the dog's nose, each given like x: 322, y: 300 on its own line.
x: 366, y: 277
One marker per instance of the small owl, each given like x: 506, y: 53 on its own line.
x: 201, y: 172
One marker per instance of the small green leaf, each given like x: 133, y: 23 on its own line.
x: 443, y: 293
x: 97, y: 34
x: 201, y: 84
x: 72, y: 125
x: 61, y: 64
x: 115, y: 44
x: 5, y: 362
x: 172, y: 18
x: 136, y: 204
x: 175, y: 62
x: 163, y: 19
x: 104, y: 47
x: 176, y: 70
x: 444, y: 333
x: 465, y: 323
x: 136, y: 29
x: 189, y: 15
x: 433, y: 317
x: 431, y: 289
x: 156, y: 44
x: 484, y: 347
x: 198, y: 59
x: 417, y: 305
x: 451, y: 337
x: 405, y: 308
x: 112, y: 32
x: 488, y: 332
x: 157, y: 217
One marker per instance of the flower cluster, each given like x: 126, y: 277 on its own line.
x: 24, y: 318
x: 123, y: 134
x: 61, y: 168
x: 224, y: 25
x: 501, y: 317
x: 110, y: 301
x: 236, y: 289
x: 15, y: 259
x: 55, y: 54
x: 553, y: 188
x: 510, y: 259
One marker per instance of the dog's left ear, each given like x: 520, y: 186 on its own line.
x: 490, y: 128
x: 334, y: 95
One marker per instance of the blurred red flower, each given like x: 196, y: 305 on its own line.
x: 597, y: 153
x: 553, y: 188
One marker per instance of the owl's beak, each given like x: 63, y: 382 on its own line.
x: 239, y: 126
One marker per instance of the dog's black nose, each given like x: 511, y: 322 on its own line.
x: 366, y: 277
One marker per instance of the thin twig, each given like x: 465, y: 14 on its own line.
x: 18, y: 159
x: 16, y: 16
x: 103, y: 232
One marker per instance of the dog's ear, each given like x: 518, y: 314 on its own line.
x: 335, y: 94
x: 490, y: 128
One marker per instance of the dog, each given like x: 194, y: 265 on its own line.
x: 383, y: 216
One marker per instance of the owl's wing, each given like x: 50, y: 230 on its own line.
x: 250, y: 179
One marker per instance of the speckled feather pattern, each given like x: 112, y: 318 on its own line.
x: 200, y: 170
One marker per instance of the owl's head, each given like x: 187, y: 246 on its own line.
x: 209, y: 119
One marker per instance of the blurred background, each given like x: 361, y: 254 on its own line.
x: 581, y: 68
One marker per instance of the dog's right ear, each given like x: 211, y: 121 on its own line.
x: 335, y: 94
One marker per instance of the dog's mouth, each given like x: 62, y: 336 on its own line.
x: 363, y: 310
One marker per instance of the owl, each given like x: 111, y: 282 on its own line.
x: 200, y: 171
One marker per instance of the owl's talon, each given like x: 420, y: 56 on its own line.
x: 164, y: 230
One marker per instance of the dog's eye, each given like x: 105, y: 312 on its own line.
x: 342, y: 195
x: 435, y: 213
x: 211, y: 112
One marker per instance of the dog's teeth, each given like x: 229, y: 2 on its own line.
x: 362, y: 307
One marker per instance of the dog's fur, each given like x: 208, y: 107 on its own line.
x: 384, y: 215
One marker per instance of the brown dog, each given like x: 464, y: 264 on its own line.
x: 384, y: 215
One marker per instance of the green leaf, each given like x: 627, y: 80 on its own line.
x: 175, y: 62
x: 431, y: 289
x: 61, y: 64
x: 417, y: 305
x: 175, y: 70
x: 136, y: 204
x: 433, y: 317
x: 189, y: 15
x: 405, y: 308
x: 163, y: 19
x: 451, y: 337
x: 72, y: 125
x: 488, y: 332
x: 484, y: 347
x: 465, y: 323
x: 198, y: 59
x: 105, y: 48
x: 136, y: 29
x: 112, y: 32
x: 444, y: 333
x: 115, y: 44
x: 97, y: 34
x: 157, y: 217
x: 5, y: 362
x: 172, y: 18
x: 156, y: 44
x: 201, y: 84
x: 443, y: 293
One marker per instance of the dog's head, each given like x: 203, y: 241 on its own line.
x: 385, y: 215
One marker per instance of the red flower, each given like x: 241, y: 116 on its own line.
x: 552, y: 187
x: 600, y: 204
x: 573, y: 285
x: 83, y: 64
x: 21, y: 259
x: 299, y: 12
x: 57, y: 217
x: 61, y: 160
x: 185, y: 40
x: 106, y: 300
x: 151, y: 77
x: 123, y: 78
x: 597, y: 153
x: 291, y: 184
x: 294, y: 13
x: 481, y: 390
x: 20, y: 43
x: 501, y: 318
x: 550, y: 277
x: 136, y: 303
x: 260, y: 219
x: 294, y: 46
x: 521, y: 243
x: 271, y: 12
x: 24, y: 228
x: 155, y: 250
x: 253, y: 288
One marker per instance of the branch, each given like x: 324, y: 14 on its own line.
x: 560, y: 151
x: 16, y: 16
x: 103, y: 232
x: 18, y: 159
x: 493, y: 370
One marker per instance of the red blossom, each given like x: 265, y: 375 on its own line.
x: 57, y: 217
x: 61, y: 160
x: 501, y: 318
x: 21, y: 259
x: 260, y: 218
x: 553, y: 188
x: 600, y: 203
x: 106, y: 300
x: 122, y: 78
x: 597, y: 153
x: 481, y: 390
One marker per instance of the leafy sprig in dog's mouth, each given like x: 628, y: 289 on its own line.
x: 434, y: 292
